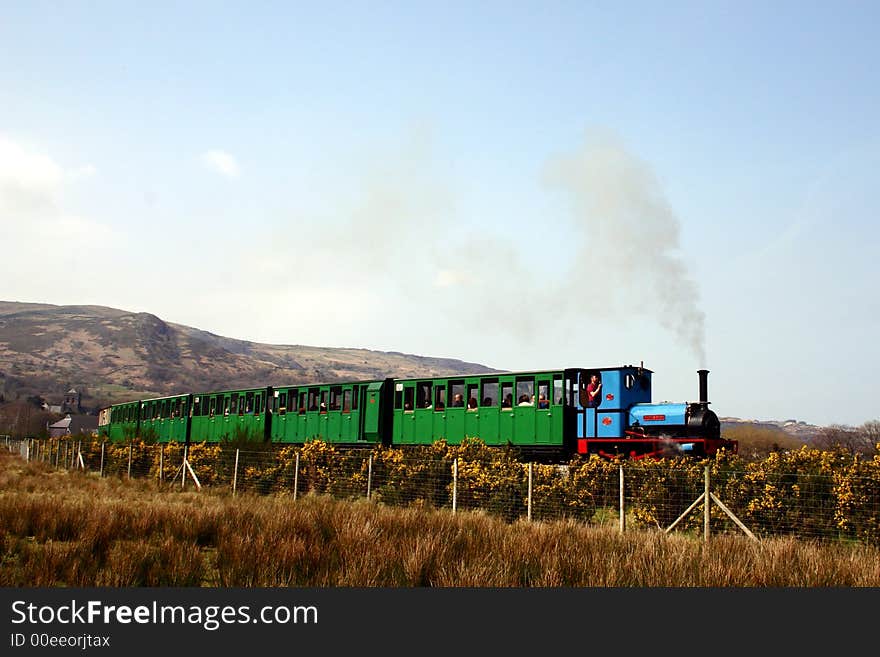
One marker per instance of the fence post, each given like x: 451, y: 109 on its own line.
x: 129, y: 460
x: 622, y: 508
x: 102, y: 459
x: 183, y: 468
x: 296, y: 476
x: 454, y: 484
x: 235, y: 474
x: 529, y: 513
x: 369, y: 475
x: 706, y: 507
x: 161, y: 464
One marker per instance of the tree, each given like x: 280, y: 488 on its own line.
x: 855, y: 440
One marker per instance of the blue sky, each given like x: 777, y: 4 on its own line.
x: 525, y: 185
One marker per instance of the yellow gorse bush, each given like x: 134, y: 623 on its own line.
x: 801, y: 492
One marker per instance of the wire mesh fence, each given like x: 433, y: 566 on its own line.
x: 815, y: 495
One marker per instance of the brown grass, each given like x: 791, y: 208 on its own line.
x: 59, y: 528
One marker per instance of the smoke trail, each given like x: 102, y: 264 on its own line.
x: 628, y: 239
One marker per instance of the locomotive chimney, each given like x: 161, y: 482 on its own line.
x: 704, y: 394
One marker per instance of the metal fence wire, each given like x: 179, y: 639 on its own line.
x: 821, y: 500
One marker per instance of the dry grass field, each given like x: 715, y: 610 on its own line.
x: 61, y: 528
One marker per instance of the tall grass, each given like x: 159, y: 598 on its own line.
x: 60, y: 528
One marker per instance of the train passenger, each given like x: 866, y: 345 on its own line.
x: 524, y: 401
x: 472, y: 404
x: 457, y: 400
x: 508, y: 401
x: 594, y: 392
x: 543, y: 402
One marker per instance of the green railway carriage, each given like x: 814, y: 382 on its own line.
x: 165, y: 419
x: 124, y: 421
x: 230, y: 415
x: 340, y: 413
x: 526, y: 409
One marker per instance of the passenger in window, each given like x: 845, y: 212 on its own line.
x: 543, y: 402
x: 407, y: 406
x: 323, y: 407
x: 488, y: 401
x: 472, y: 404
x: 594, y: 392
x: 458, y: 400
x: 524, y: 401
x: 508, y: 401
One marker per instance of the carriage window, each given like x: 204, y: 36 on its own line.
x: 557, y: 390
x: 490, y: 393
x: 234, y: 407
x: 313, y: 399
x: 212, y: 406
x: 408, y: 398
x: 569, y: 392
x: 282, y: 401
x: 440, y: 398
x: 506, y: 395
x: 354, y: 398
x: 323, y: 405
x: 525, y: 391
x: 398, y: 397
x: 197, y: 406
x: 543, y: 400
x: 302, y: 401
x: 471, y: 400
x: 423, y: 396
x: 249, y: 403
x: 183, y: 408
x: 456, y: 393
x: 258, y: 404
x: 629, y: 381
x: 335, y: 394
x: 346, y: 401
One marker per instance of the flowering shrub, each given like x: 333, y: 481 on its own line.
x: 804, y: 492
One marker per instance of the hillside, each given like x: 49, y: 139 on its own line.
x: 112, y: 355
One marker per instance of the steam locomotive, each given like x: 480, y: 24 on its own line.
x: 545, y: 414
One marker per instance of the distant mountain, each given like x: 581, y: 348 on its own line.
x: 111, y: 355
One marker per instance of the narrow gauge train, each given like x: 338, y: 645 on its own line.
x: 543, y: 414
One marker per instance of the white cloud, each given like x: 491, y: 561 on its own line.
x: 448, y: 277
x: 26, y: 170
x: 81, y: 173
x: 221, y: 162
